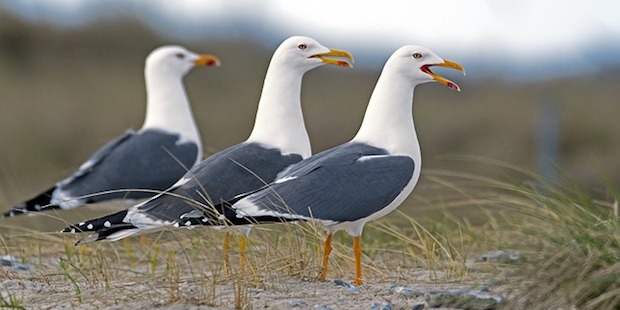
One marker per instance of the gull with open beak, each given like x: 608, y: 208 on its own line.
x: 278, y: 140
x: 364, y: 179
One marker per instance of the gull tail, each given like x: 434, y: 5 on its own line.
x: 110, y: 227
x: 41, y: 202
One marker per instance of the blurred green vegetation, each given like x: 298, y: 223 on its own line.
x: 66, y: 91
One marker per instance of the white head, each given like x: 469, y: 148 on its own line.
x: 306, y: 54
x: 172, y: 60
x: 167, y: 104
x: 414, y: 62
x: 279, y: 119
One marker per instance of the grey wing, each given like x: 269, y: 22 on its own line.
x: 340, y: 190
x: 204, y: 190
x: 150, y: 160
x: 94, y: 160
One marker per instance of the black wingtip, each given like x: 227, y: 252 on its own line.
x: 41, y: 202
x: 109, y: 234
x: 102, y: 223
x: 71, y: 229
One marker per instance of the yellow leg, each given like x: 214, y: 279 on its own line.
x: 226, y: 248
x: 243, y: 246
x: 357, y: 250
x: 327, y: 249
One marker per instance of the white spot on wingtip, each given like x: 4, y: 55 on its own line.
x: 182, y: 181
x: 73, y: 230
x: 90, y: 226
x: 82, y: 224
x: 192, y: 214
x: 371, y: 157
x: 188, y: 223
x: 285, y: 179
x: 176, y: 224
x: 107, y: 224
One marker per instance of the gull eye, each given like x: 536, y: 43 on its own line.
x: 180, y: 56
x: 302, y: 46
x: 416, y: 55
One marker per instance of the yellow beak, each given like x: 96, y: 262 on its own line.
x: 442, y: 80
x: 336, y: 53
x: 207, y: 60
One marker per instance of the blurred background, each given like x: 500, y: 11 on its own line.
x: 541, y: 90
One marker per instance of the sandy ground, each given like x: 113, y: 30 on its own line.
x: 184, y: 270
x: 41, y: 289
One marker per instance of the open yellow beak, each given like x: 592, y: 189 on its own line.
x: 448, y: 64
x: 336, y: 53
x: 207, y: 60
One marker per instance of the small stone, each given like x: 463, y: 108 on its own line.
x: 405, y: 291
x: 21, y: 267
x: 462, y: 299
x: 349, y: 286
x: 500, y: 257
x: 11, y: 261
x: 419, y: 306
x: 383, y: 306
x: 485, y: 295
x: 8, y: 260
x: 298, y: 303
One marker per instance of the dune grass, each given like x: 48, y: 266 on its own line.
x: 568, y: 240
x: 187, y: 267
x: 574, y: 244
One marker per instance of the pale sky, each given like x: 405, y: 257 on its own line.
x: 522, y: 25
x: 528, y: 31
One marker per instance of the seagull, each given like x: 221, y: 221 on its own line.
x: 139, y: 163
x: 364, y: 179
x: 278, y: 140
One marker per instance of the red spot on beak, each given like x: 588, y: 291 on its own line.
x: 343, y: 64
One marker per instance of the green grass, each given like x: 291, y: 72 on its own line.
x: 9, y: 301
